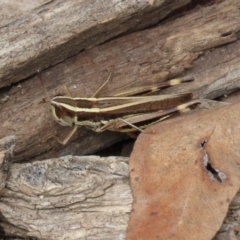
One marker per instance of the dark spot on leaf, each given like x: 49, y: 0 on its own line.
x: 154, y: 213
x: 214, y: 173
x: 203, y: 143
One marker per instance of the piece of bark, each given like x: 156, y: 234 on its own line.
x: 68, y: 198
x: 184, y: 174
x: 141, y: 58
x: 7, y: 145
x: 209, y: 104
x: 56, y: 30
x: 232, y: 98
x: 11, y: 9
x: 231, y: 225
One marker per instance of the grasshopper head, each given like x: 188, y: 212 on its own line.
x: 61, y: 115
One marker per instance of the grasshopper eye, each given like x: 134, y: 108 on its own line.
x: 60, y: 112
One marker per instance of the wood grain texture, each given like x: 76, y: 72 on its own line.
x: 7, y: 145
x: 56, y: 30
x: 68, y: 198
x: 142, y: 58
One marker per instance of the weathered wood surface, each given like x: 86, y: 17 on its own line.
x: 68, y: 198
x: 145, y: 57
x: 56, y: 30
x: 7, y: 145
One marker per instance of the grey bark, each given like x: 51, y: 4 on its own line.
x: 68, y: 198
x: 56, y: 30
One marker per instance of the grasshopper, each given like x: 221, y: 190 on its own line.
x: 126, y: 112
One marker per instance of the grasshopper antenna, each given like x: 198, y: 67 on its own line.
x: 110, y: 76
x: 43, y: 85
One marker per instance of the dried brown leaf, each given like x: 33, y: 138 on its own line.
x: 184, y: 174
